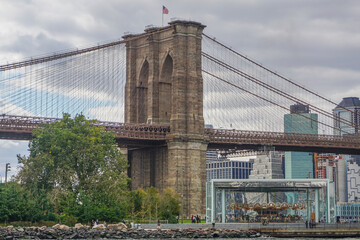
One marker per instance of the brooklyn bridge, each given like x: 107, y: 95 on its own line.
x: 169, y: 94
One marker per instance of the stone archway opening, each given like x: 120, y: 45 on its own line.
x: 142, y: 93
x: 165, y: 90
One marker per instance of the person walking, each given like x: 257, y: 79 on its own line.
x: 158, y: 225
x: 92, y: 223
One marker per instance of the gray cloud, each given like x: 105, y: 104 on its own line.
x: 29, y: 45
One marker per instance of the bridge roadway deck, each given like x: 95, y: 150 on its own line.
x: 140, y: 135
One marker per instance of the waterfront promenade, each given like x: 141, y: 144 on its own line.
x: 284, y: 230
x: 244, y: 226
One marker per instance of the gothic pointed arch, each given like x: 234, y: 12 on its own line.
x: 142, y: 93
x: 165, y: 90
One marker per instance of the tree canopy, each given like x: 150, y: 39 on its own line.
x: 74, y: 156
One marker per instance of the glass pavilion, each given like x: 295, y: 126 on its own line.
x: 273, y: 200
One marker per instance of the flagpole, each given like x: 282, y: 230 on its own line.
x: 164, y: 11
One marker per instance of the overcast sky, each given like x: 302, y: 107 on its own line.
x: 315, y: 43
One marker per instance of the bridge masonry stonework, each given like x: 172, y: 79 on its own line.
x: 164, y: 85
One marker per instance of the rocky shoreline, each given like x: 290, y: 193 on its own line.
x: 114, y: 232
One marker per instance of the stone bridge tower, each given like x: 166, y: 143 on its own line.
x: 164, y: 85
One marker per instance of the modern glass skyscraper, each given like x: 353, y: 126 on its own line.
x: 348, y: 110
x: 300, y: 120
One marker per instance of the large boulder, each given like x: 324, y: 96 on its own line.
x: 78, y: 225
x: 117, y: 227
x: 61, y: 227
x: 64, y: 227
x: 43, y: 228
x: 56, y: 226
x: 99, y: 226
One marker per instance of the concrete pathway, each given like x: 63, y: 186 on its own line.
x: 245, y: 226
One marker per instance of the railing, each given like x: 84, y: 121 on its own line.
x: 274, y: 138
x: 132, y: 131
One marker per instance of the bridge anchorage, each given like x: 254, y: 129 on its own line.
x: 164, y: 94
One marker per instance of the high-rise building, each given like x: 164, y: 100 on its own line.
x: 267, y: 166
x: 211, y: 155
x: 348, y: 179
x: 224, y: 168
x: 300, y: 120
x: 228, y: 169
x: 349, y: 111
x: 325, y: 165
x: 347, y: 121
x: 353, y: 181
x: 341, y: 179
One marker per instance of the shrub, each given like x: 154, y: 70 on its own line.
x: 69, y: 220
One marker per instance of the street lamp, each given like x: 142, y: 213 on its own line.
x: 182, y: 194
x: 7, y: 169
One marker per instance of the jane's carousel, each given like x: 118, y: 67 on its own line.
x: 266, y: 212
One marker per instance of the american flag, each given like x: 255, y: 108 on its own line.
x: 165, y: 10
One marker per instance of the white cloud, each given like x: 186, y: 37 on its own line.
x: 12, y: 109
x: 8, y: 144
x: 108, y: 113
x: 8, y: 151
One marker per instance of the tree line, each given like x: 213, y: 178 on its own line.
x: 75, y: 172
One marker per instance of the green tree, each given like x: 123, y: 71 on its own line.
x: 142, y: 210
x: 151, y: 203
x: 77, y: 163
x: 135, y: 203
x: 169, y: 205
x: 17, y: 204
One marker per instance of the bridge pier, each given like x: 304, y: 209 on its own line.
x: 147, y: 167
x: 187, y: 174
x: 181, y: 166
